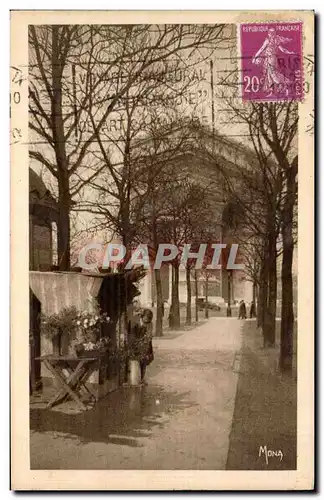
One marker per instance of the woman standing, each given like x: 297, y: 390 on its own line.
x: 140, y: 338
x: 146, y: 327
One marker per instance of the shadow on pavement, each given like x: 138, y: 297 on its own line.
x: 122, y: 417
x: 265, y: 413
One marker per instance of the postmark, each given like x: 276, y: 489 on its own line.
x: 271, y: 61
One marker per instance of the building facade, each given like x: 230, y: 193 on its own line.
x: 43, y: 214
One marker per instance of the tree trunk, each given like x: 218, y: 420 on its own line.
x: 254, y: 297
x: 63, y: 226
x: 270, y: 313
x: 287, y: 312
x: 175, y: 306
x: 188, y: 317
x: 206, y: 298
x: 263, y: 296
x: 196, y: 296
x: 171, y: 303
x: 229, y: 293
x: 63, y: 230
x: 159, y: 304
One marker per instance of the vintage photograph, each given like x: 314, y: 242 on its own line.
x: 164, y: 230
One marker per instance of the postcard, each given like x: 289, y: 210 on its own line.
x: 162, y: 242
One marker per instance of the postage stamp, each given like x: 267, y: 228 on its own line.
x: 271, y: 55
x: 153, y: 284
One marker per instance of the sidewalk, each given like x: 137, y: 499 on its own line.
x: 180, y: 420
x: 265, y: 409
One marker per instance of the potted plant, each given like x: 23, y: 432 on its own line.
x: 54, y: 326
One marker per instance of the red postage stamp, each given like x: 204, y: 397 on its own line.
x: 272, y: 63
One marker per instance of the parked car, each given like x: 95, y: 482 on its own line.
x: 201, y: 303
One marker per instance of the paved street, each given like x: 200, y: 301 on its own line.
x: 180, y: 420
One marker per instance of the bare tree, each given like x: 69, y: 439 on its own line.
x: 278, y: 125
x: 67, y: 114
x: 158, y: 178
x: 265, y: 193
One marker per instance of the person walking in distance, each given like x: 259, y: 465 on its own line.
x: 242, y: 310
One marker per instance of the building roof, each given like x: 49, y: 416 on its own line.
x: 38, y: 192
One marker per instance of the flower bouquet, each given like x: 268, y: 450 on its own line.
x: 89, y: 328
x: 82, y: 330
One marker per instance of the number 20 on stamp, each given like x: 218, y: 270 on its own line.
x: 271, y: 61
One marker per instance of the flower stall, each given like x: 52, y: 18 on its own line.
x: 84, y: 366
x: 68, y: 299
x: 84, y: 317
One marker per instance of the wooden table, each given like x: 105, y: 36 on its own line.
x: 70, y: 384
